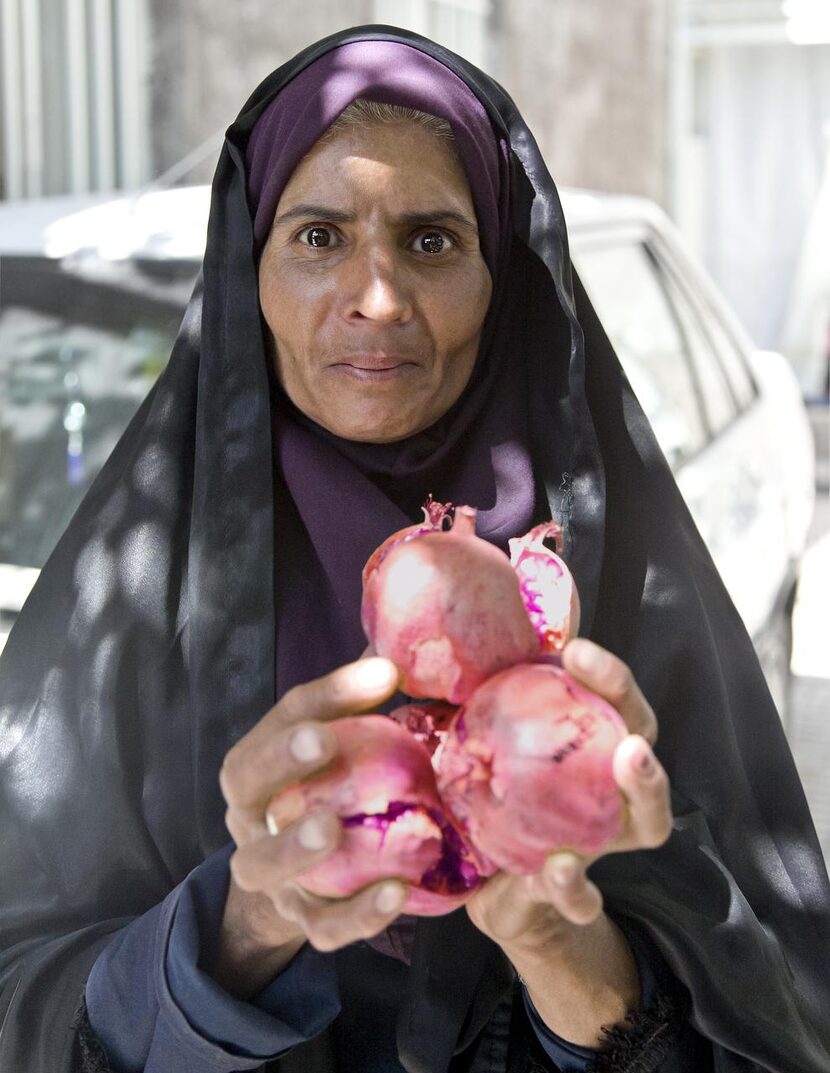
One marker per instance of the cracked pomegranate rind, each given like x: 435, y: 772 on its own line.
x: 427, y: 721
x: 527, y: 769
x: 382, y: 786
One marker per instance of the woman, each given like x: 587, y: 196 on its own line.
x: 382, y: 314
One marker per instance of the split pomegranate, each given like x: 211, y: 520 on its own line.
x: 526, y: 769
x: 445, y: 606
x: 546, y: 585
x: 382, y: 786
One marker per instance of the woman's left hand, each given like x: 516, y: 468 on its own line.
x: 551, y: 925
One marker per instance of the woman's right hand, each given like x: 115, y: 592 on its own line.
x: 268, y: 914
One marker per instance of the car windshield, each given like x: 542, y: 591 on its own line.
x: 80, y: 346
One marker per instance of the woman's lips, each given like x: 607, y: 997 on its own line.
x: 370, y: 371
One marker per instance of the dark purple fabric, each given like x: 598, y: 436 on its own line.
x: 387, y: 72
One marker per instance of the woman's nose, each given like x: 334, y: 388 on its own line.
x: 375, y: 288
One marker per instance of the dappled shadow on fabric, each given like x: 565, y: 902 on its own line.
x: 84, y: 679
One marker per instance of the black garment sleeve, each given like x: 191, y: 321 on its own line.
x: 153, y: 1007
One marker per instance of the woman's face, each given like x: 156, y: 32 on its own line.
x: 372, y: 282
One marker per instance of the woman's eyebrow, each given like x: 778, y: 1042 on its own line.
x: 437, y: 216
x: 309, y: 211
x: 313, y: 212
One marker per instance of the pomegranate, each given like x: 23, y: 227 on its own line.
x: 445, y: 606
x: 382, y: 786
x: 547, y: 587
x: 526, y: 769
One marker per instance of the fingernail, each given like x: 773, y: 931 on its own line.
x: 646, y: 766
x: 306, y: 745
x: 373, y: 673
x: 390, y: 898
x: 563, y: 868
x: 271, y: 824
x: 312, y: 834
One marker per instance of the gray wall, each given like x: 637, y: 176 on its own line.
x: 591, y: 79
x: 208, y: 56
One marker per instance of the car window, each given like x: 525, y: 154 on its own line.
x: 77, y: 356
x: 623, y: 284
x: 733, y: 363
x: 716, y: 393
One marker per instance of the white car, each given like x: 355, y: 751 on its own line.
x: 729, y: 417
x: 91, y: 296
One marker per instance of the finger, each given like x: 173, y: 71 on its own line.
x: 291, y: 740
x: 264, y: 865
x: 329, y: 924
x: 355, y: 687
x: 245, y: 827
x: 608, y: 676
x: 249, y: 779
x: 643, y: 781
x: 569, y: 890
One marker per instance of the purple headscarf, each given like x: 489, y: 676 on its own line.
x: 386, y: 72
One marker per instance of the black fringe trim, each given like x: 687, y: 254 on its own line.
x: 533, y: 1066
x: 88, y: 1056
x: 644, y: 1042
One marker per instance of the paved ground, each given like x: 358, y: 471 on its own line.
x: 809, y: 729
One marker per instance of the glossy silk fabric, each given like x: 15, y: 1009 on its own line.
x: 147, y: 648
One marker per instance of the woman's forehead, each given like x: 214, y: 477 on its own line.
x: 384, y: 159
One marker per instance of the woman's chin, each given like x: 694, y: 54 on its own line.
x: 376, y: 426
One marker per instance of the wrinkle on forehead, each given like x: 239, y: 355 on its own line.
x: 363, y: 160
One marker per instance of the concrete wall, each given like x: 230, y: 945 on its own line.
x: 591, y: 79
x: 208, y: 57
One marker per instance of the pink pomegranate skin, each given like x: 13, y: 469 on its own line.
x: 382, y: 786
x: 436, y: 519
x: 526, y: 769
x: 445, y: 607
x: 547, y: 586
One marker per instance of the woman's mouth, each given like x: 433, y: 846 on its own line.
x: 372, y: 370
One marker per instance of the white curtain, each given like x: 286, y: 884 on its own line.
x: 765, y: 110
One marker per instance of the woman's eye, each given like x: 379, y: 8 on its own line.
x: 433, y: 242
x: 317, y: 237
